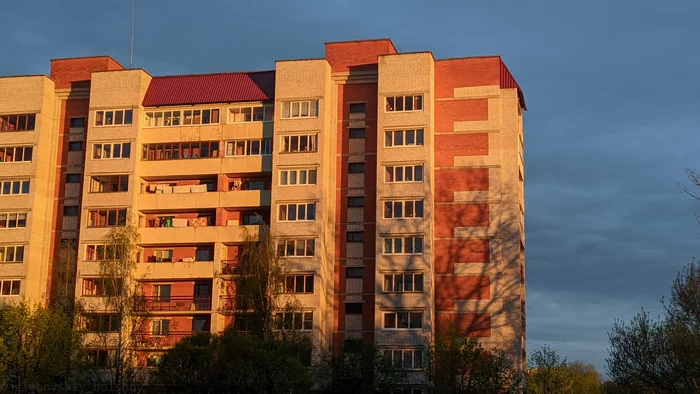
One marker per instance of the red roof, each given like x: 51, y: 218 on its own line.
x: 210, y: 88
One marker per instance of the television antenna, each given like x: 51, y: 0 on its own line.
x: 131, y: 51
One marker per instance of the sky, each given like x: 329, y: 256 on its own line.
x: 611, y: 86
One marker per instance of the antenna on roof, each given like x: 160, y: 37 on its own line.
x: 131, y: 52
x: 398, y: 49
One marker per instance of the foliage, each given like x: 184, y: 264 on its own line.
x: 461, y: 365
x: 360, y: 369
x: 231, y: 363
x: 38, y: 346
x: 661, y: 355
x: 66, y: 268
x: 548, y: 373
x: 586, y: 380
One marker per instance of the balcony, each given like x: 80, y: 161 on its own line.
x: 176, y: 270
x: 147, y: 340
x: 245, y: 198
x: 175, y: 304
x: 203, y: 234
x: 230, y: 267
x: 204, y: 200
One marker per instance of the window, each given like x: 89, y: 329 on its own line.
x: 13, y: 219
x: 204, y: 254
x: 109, y: 184
x: 11, y: 254
x: 249, y: 147
x: 356, y: 108
x: 297, y: 212
x: 70, y: 210
x: 23, y: 122
x: 299, y: 143
x: 403, y: 209
x: 100, y: 358
x: 259, y: 113
x: 14, y: 187
x: 300, y: 109
x: 403, y: 320
x: 404, y: 103
x: 94, y: 252
x: 14, y: 154
x: 354, y: 272
x: 403, y: 282
x: 163, y: 256
x: 299, y: 284
x: 408, y: 173
x: 403, y: 245
x: 72, y: 178
x: 353, y: 308
x: 116, y: 150
x: 298, y: 177
x: 403, y: 138
x: 107, y: 218
x: 294, y: 320
x: 77, y: 122
x: 355, y: 236
x: 98, y: 287
x: 75, y: 146
x: 160, y: 327
x: 356, y: 168
x: 252, y: 219
x: 154, y: 359
x: 113, y: 117
x: 9, y: 287
x: 356, y: 202
x: 161, y: 292
x: 181, y: 150
x: 355, y: 134
x: 405, y: 358
x: 173, y: 118
x: 253, y: 184
x: 101, y: 322
x: 296, y: 247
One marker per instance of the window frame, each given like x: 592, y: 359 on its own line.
x: 6, y: 219
x: 265, y: 147
x: 283, y: 248
x: 390, y: 137
x: 288, y: 107
x: 306, y: 281
x: 414, y: 101
x: 354, y: 271
x: 29, y: 122
x: 100, y: 117
x: 403, y: 245
x: 353, y: 238
x: 120, y: 216
x: 354, y: 131
x: 72, y: 144
x: 355, y: 105
x: 285, y: 207
x: 10, y: 287
x: 404, y: 204
x: 266, y: 108
x: 297, y: 176
x: 179, y: 116
x: 389, y: 354
x: 112, y: 150
x: 97, y: 182
x: 281, y: 318
x: 5, y: 254
x: 24, y: 149
x: 69, y: 177
x: 403, y: 168
x: 287, y: 142
x: 408, y: 313
x: 392, y: 278
x: 12, y: 185
x: 168, y: 151
x: 354, y: 310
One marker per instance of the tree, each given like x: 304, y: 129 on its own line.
x: 360, y: 369
x: 661, y: 355
x: 66, y: 268
x: 123, y: 297
x: 38, y: 346
x: 231, y: 363
x: 461, y: 365
x: 548, y: 373
x: 586, y: 380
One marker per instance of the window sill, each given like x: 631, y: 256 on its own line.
x: 114, y: 125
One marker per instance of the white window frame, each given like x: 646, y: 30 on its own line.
x: 408, y: 320
x: 161, y: 255
x: 403, y: 133
x: 295, y: 279
x: 265, y: 147
x: 297, y: 209
x: 268, y: 113
x: 5, y: 217
x: 11, y: 282
x: 104, y: 251
x: 404, y: 167
x: 285, y: 243
x: 111, y: 150
x: 294, y: 314
x: 403, y: 105
x: 403, y: 204
x: 392, y: 279
x: 286, y: 142
x: 151, y: 117
x: 158, y: 329
x: 403, y: 239
x: 4, y: 254
x: 14, y: 153
x: 390, y: 355
x: 12, y: 182
x: 288, y: 108
x: 297, y: 176
x: 114, y: 117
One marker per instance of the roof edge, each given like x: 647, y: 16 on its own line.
x: 89, y: 57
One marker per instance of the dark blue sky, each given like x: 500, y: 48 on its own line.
x: 612, y: 87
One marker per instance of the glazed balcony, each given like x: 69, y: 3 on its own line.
x: 148, y: 340
x: 204, y: 200
x: 174, y: 304
x: 203, y: 234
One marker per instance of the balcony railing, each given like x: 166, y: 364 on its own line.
x: 174, y: 303
x: 151, y: 340
x: 230, y: 267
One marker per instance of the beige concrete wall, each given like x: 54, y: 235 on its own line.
x: 25, y: 95
x: 405, y: 74
x: 309, y: 80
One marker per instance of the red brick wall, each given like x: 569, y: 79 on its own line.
x: 453, y: 73
x: 76, y: 72
x: 344, y: 56
x: 460, y: 215
x: 468, y: 324
x: 449, y: 252
x: 449, y: 146
x: 454, y: 288
x: 448, y: 112
x: 448, y: 181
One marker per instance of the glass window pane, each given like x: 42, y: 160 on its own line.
x: 388, y: 283
x: 126, y: 150
x: 401, y: 319
x: 418, y: 282
x: 389, y: 320
x: 389, y: 103
x: 416, y: 320
x: 408, y: 282
x: 398, y: 211
x: 398, y: 138
x: 419, y: 209
x: 388, y: 209
x: 419, y: 137
x: 399, y: 103
x: 418, y: 173
x: 388, y: 243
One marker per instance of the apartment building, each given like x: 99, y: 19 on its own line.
x: 391, y: 182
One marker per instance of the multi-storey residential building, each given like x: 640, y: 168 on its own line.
x: 391, y: 182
